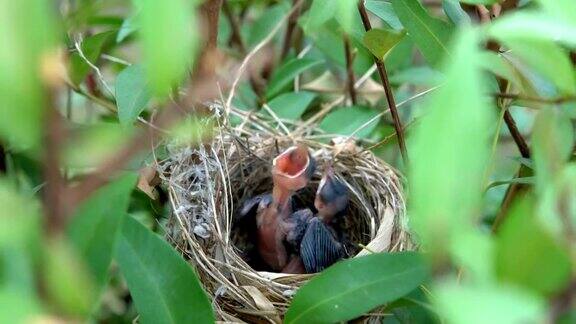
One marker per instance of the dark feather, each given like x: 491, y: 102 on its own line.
x: 319, y: 248
x: 299, y: 222
x: 250, y: 206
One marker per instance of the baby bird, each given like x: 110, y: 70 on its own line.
x: 314, y: 237
x: 291, y: 171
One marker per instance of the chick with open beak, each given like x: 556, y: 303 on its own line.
x: 291, y: 171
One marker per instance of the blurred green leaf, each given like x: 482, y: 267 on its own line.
x: 68, y: 282
x: 355, y: 286
x: 473, y: 251
x: 418, y: 75
x: 547, y: 58
x: 91, y: 48
x: 472, y: 304
x: 385, y: 12
x: 291, y: 105
x: 346, y: 14
x: 449, y: 151
x: 522, y: 180
x: 499, y: 66
x: 564, y: 9
x: 28, y: 34
x: 454, y: 11
x: 132, y: 93
x: 557, y: 206
x: 19, y: 219
x: 286, y: 73
x: 320, y: 12
x: 265, y: 23
x: 96, y: 224
x: 168, y: 38
x: 164, y: 287
x: 348, y: 120
x: 430, y: 34
x: 528, y: 256
x: 92, y: 144
x: 552, y: 145
x: 17, y: 307
x: 381, y: 41
x: 532, y: 25
x: 126, y: 29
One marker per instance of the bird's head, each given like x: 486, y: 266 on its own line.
x: 332, y: 195
x: 293, y: 168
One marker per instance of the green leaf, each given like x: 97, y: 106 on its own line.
x: 557, y: 205
x: 449, y: 151
x: 552, y: 145
x: 168, y: 39
x: 474, y: 304
x: 418, y: 75
x: 381, y: 41
x: 91, y: 48
x: 95, y: 227
x: 385, y: 12
x: 348, y: 120
x: 563, y: 9
x: 128, y: 27
x: 430, y: 34
x: 320, y: 12
x: 28, y: 34
x: 132, y: 93
x: 454, y: 11
x: 20, y: 221
x: 267, y: 20
x: 286, y: 73
x: 164, y: 287
x: 528, y: 256
x: 355, y: 286
x: 545, y: 57
x: 291, y: 105
x: 532, y: 25
x: 498, y: 65
x: 68, y: 283
x: 18, y: 307
x: 522, y: 180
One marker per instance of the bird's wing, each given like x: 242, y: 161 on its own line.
x: 319, y: 249
x: 297, y: 224
x: 250, y: 206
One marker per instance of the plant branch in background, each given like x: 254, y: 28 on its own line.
x: 513, y: 96
x: 387, y: 89
x: 350, y: 80
x: 235, y: 36
x: 290, y: 29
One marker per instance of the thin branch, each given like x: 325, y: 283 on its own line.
x: 513, y: 96
x: 350, y: 69
x: 55, y: 183
x: 235, y: 36
x: 290, y: 29
x: 387, y: 89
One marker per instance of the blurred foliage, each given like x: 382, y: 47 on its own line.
x: 496, y: 228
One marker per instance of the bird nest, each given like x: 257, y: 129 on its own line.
x: 208, y: 183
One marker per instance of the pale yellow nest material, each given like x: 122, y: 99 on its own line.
x: 208, y: 183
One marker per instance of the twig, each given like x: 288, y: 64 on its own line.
x: 513, y: 96
x: 290, y: 30
x: 55, y: 183
x: 78, y: 47
x: 387, y: 89
x: 350, y: 69
x: 235, y: 36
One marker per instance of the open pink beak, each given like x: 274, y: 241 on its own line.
x: 292, y: 169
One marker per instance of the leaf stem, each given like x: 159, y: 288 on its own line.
x: 387, y: 89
